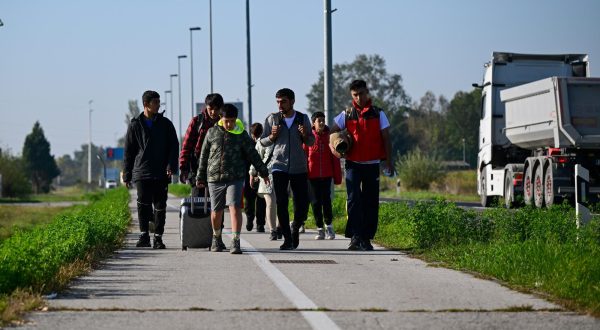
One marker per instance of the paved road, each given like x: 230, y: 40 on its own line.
x: 321, y: 285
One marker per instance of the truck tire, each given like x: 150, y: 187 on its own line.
x: 550, y: 190
x: 538, y: 187
x: 528, y: 186
x: 509, y: 190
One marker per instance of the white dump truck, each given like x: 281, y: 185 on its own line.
x: 540, y: 116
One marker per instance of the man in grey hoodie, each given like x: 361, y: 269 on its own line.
x: 287, y: 130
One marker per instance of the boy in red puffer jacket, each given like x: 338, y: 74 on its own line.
x: 322, y: 167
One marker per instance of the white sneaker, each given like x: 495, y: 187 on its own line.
x: 320, y: 234
x: 302, y: 229
x: 330, y: 232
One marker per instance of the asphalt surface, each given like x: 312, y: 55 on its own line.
x: 321, y: 285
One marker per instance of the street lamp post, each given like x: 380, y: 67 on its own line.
x: 464, y: 151
x: 167, y: 93
x: 104, y: 169
x: 192, y: 29
x: 210, y: 43
x: 179, y: 90
x: 172, y: 118
x: 248, y: 62
x: 90, y: 143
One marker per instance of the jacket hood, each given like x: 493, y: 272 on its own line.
x: 239, y: 126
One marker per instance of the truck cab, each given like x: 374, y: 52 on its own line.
x: 496, y: 152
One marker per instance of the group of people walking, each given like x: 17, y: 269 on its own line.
x: 283, y: 156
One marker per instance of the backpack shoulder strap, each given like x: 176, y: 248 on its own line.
x: 299, y: 119
x: 200, y: 122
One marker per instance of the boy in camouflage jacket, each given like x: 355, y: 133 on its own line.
x: 222, y: 166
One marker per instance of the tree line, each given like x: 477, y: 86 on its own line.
x: 433, y: 125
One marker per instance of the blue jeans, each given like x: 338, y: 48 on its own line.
x: 362, y: 186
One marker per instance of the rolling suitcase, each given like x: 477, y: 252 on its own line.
x: 195, y: 228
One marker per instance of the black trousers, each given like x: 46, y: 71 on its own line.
x: 362, y: 187
x: 152, y: 204
x: 299, y: 185
x: 321, y: 200
x: 254, y: 206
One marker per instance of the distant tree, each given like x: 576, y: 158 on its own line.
x: 385, y: 89
x: 14, y: 180
x: 462, y: 121
x: 40, y: 166
x: 134, y: 111
x: 70, y: 170
x: 425, y: 124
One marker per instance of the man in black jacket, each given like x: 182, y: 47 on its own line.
x: 151, y: 150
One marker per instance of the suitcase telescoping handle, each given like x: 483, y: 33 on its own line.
x: 205, y: 201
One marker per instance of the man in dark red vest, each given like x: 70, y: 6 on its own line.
x: 368, y: 127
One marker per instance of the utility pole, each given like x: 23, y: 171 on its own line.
x: 192, y: 29
x: 90, y: 143
x: 210, y: 43
x: 248, y: 63
x: 327, y: 74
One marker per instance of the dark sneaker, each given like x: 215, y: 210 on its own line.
x: 273, y: 236
x: 355, y: 244
x: 320, y: 234
x: 287, y: 245
x: 330, y: 232
x: 295, y: 238
x: 221, y: 244
x: 260, y: 229
x: 158, y: 243
x: 235, y: 247
x: 366, y: 245
x: 249, y: 225
x: 217, y: 244
x: 143, y: 241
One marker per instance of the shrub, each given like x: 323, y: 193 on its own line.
x: 33, y: 258
x: 14, y: 181
x: 418, y: 170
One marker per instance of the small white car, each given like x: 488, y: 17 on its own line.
x: 110, y: 184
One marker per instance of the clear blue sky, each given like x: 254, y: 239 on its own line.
x: 55, y: 56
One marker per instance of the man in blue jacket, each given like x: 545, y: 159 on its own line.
x: 288, y: 129
x: 150, y: 158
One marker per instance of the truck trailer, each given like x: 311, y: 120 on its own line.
x: 540, y: 116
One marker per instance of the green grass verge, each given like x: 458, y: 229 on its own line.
x: 14, y: 217
x: 180, y: 190
x: 45, y: 258
x: 62, y: 194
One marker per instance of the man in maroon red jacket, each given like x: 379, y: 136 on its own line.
x: 194, y: 136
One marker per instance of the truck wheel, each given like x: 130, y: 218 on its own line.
x: 550, y: 196
x: 528, y: 186
x: 538, y: 187
x: 509, y: 190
